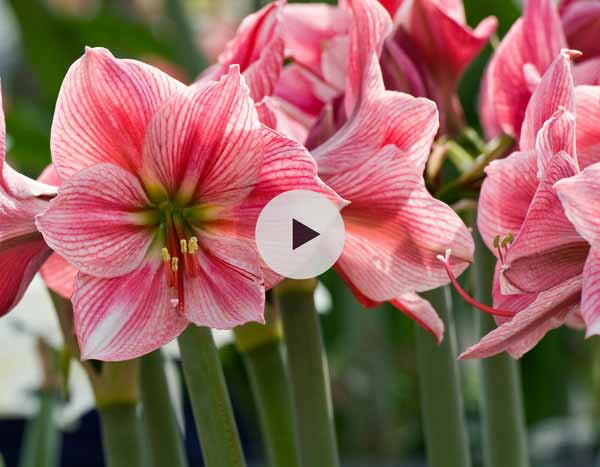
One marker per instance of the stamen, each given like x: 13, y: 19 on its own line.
x: 487, y: 309
x: 184, y: 246
x: 193, y: 245
x: 175, y: 264
x: 166, y: 257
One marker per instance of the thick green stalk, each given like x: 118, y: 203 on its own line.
x: 441, y: 398
x: 160, y: 424
x: 121, y: 436
x: 504, y: 432
x: 261, y: 348
x: 308, y: 373
x: 2, y: 464
x: 42, y: 437
x: 213, y: 413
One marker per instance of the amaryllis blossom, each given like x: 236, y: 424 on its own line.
x: 525, y: 54
x: 581, y: 23
x: 372, y: 145
x: 430, y: 50
x: 161, y: 188
x: 540, y: 255
x: 22, y: 248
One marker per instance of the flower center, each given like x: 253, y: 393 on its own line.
x: 179, y: 253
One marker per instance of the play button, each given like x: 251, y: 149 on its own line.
x: 300, y: 234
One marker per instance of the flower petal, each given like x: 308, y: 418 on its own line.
x: 579, y: 196
x: 103, y: 110
x: 92, y: 222
x: 258, y: 50
x: 125, y: 317
x: 59, y: 275
x: 505, y: 196
x: 536, y: 38
x: 519, y: 335
x: 587, y: 99
x: 383, y: 117
x: 547, y: 250
x: 581, y: 22
x: 557, y: 135
x: 422, y: 312
x: 19, y: 262
x: 370, y: 26
x: 395, y: 229
x: 590, y: 297
x: 554, y: 91
x: 229, y: 291
x: 206, y: 142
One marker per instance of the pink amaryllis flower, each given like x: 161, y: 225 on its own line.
x: 22, y: 248
x: 523, y: 57
x: 430, y: 50
x: 372, y: 145
x: 161, y: 188
x: 581, y: 23
x: 540, y: 255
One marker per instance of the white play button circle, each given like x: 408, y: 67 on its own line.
x: 300, y: 234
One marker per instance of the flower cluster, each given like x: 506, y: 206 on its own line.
x: 146, y: 217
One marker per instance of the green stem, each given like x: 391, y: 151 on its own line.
x: 42, y: 438
x: 441, y: 399
x: 308, y: 373
x: 494, y: 149
x: 213, y: 413
x: 269, y: 380
x: 504, y: 432
x: 121, y: 437
x: 461, y: 159
x: 160, y: 423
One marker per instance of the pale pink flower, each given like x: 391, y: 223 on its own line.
x: 161, y: 188
x: 430, y: 50
x: 539, y: 273
x: 22, y: 248
x: 523, y: 57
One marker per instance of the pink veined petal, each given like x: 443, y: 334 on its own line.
x: 229, y: 290
x: 94, y: 221
x: 49, y: 176
x: 103, y: 110
x: 547, y: 250
x: 395, y: 229
x: 512, y: 302
x: 587, y: 72
x: 535, y: 38
x: 445, y: 43
x: 587, y: 102
x: 206, y: 142
x: 590, y: 297
x: 307, y: 28
x: 334, y: 62
x: 19, y: 262
x: 284, y: 117
x: 557, y: 135
x: 580, y: 197
x: 391, y: 6
x: 555, y: 90
x: 59, y: 275
x: 519, y: 335
x: 422, y: 312
x: 487, y: 106
x: 581, y: 22
x: 382, y: 118
x: 370, y: 26
x: 258, y: 49
x: 125, y: 317
x: 506, y: 194
x: 286, y: 166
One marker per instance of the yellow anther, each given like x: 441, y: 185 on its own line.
x: 166, y: 257
x: 193, y: 245
x: 184, y: 246
x: 175, y: 263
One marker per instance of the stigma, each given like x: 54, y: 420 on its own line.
x: 466, y: 297
x: 180, y: 261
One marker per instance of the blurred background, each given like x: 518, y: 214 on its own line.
x: 371, y: 352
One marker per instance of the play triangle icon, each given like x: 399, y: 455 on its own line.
x: 301, y: 234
